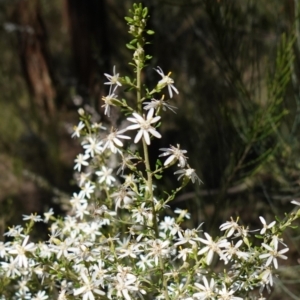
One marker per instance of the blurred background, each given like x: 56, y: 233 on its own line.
x: 236, y: 65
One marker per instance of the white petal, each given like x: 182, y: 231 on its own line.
x: 125, y: 294
x: 25, y: 241
x: 174, y: 89
x: 147, y: 137
x: 138, y: 136
x: 262, y: 220
x: 203, y: 250
x: 267, y: 247
x: 79, y: 291
x: 138, y: 117
x: 265, y: 255
x: 118, y: 142
x: 295, y: 202
x: 155, y: 133
x: 169, y: 160
x: 123, y: 137
x: 275, y: 263
x: 238, y: 244
x: 271, y: 224
x: 90, y: 296
x: 159, y: 71
x: 283, y: 251
x: 269, y: 260
x: 205, y: 282
x: 99, y: 292
x: 150, y: 114
x: 132, y: 120
x: 210, y: 256
x: 208, y: 237
x: 133, y: 126
x: 155, y: 119
x: 170, y: 91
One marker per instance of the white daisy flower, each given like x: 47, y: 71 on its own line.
x: 144, y: 126
x: 166, y: 81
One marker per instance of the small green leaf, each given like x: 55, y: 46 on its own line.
x: 246, y: 241
x: 132, y: 64
x: 157, y: 176
x: 150, y: 32
x: 277, y: 219
x: 259, y: 236
x: 128, y: 89
x: 130, y: 47
x: 133, y: 41
x: 293, y: 226
x: 128, y: 19
x: 145, y: 12
x: 158, y: 163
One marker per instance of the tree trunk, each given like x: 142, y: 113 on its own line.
x: 32, y: 47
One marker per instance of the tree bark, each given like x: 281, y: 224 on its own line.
x: 32, y: 48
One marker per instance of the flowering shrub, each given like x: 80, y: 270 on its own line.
x: 117, y: 241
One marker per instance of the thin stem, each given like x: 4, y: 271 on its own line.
x: 164, y: 279
x: 138, y: 90
x: 149, y: 192
x: 189, y: 278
